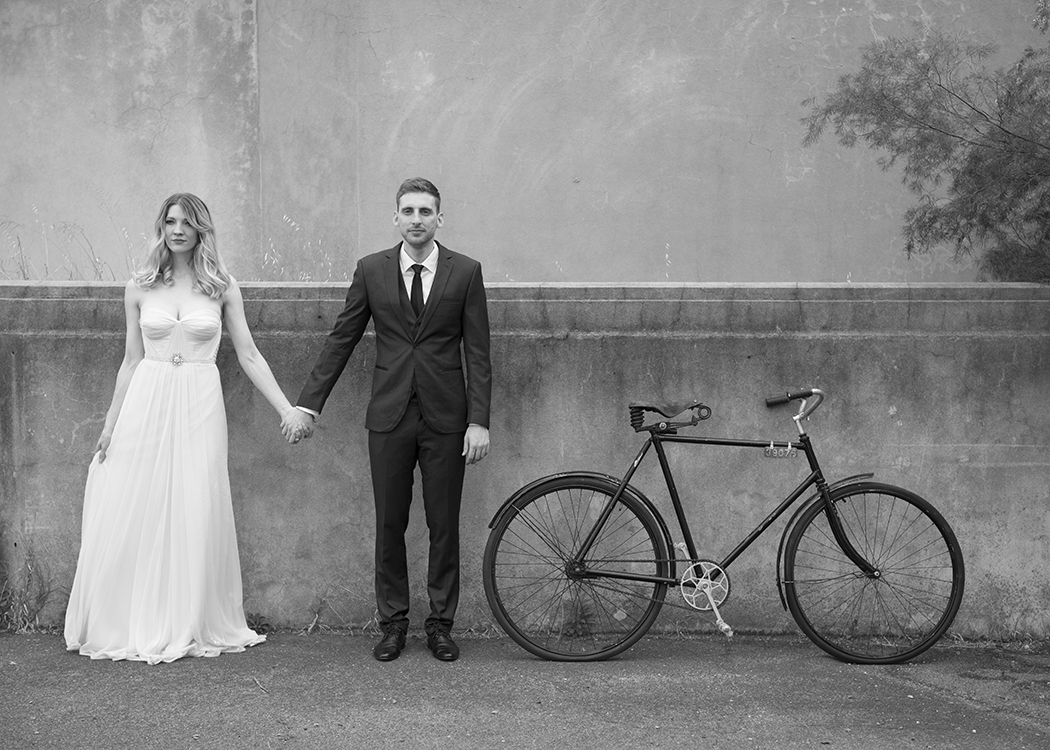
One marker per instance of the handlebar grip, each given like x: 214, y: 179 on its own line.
x: 788, y: 397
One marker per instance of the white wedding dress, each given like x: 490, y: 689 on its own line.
x: 158, y: 576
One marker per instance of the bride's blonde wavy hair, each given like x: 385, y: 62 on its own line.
x: 211, y: 276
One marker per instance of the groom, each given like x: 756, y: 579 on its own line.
x: 430, y: 315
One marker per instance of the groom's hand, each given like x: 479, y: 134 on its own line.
x: 475, y: 443
x: 296, y: 425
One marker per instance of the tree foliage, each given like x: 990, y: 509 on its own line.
x: 974, y: 144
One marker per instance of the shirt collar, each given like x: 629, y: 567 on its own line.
x: 429, y: 263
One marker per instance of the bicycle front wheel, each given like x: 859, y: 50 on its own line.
x: 552, y: 608
x: 896, y: 613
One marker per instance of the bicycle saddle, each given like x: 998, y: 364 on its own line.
x: 669, y: 410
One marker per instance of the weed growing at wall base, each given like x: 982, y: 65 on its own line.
x: 23, y: 595
x: 258, y: 623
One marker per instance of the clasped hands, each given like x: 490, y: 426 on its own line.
x: 296, y: 425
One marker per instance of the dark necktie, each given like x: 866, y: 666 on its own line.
x: 417, y: 290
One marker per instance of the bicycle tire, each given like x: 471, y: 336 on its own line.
x: 887, y: 619
x: 562, y: 618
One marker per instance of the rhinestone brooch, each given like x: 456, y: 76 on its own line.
x: 176, y: 359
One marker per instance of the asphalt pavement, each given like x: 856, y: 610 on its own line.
x: 324, y: 690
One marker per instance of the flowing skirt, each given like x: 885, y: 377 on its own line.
x: 158, y: 576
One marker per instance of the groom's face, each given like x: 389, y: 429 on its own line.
x: 418, y: 219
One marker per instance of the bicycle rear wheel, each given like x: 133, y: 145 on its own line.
x: 886, y: 618
x: 572, y: 617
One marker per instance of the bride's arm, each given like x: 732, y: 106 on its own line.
x: 134, y: 352
x: 248, y: 355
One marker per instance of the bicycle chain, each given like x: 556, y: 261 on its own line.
x: 664, y: 602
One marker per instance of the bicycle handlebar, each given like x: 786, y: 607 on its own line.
x: 807, y: 407
x: 789, y: 397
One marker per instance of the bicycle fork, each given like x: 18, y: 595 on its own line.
x: 834, y: 522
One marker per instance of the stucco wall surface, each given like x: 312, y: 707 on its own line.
x: 573, y: 140
x: 107, y: 108
x: 939, y: 388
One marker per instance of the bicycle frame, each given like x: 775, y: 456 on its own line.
x: 577, y: 564
x: 656, y: 440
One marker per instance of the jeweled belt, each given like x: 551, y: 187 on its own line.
x: 177, y: 359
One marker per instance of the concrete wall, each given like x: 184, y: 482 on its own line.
x: 939, y: 388
x: 106, y: 109
x: 573, y: 140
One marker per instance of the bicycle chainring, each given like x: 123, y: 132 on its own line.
x: 700, y: 578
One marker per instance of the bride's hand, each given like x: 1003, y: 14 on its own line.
x: 296, y: 425
x: 103, y: 444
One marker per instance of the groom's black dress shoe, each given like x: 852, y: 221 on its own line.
x: 443, y: 647
x: 392, y: 644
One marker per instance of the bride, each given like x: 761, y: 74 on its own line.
x: 158, y: 576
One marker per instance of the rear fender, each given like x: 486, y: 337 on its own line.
x: 611, y: 482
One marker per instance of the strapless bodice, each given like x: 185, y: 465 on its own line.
x: 192, y: 338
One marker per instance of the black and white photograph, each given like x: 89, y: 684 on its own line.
x: 466, y: 374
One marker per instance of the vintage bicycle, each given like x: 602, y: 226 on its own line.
x: 577, y: 565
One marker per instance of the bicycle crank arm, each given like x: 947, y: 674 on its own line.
x: 723, y: 626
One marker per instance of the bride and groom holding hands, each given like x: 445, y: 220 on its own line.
x: 158, y: 576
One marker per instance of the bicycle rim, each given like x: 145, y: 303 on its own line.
x: 886, y: 619
x: 558, y: 617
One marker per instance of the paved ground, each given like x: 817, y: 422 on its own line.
x: 326, y: 691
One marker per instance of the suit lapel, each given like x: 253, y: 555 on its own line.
x: 437, y: 289
x: 395, y: 288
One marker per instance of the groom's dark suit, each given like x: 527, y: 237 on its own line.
x: 419, y: 410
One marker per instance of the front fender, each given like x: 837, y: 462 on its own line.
x: 791, y: 524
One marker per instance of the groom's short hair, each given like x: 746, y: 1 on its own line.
x: 418, y: 185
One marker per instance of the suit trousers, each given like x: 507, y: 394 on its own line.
x: 393, y: 456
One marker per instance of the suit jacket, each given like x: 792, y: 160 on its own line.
x: 423, y: 356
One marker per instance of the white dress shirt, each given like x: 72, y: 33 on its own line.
x: 427, y: 274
